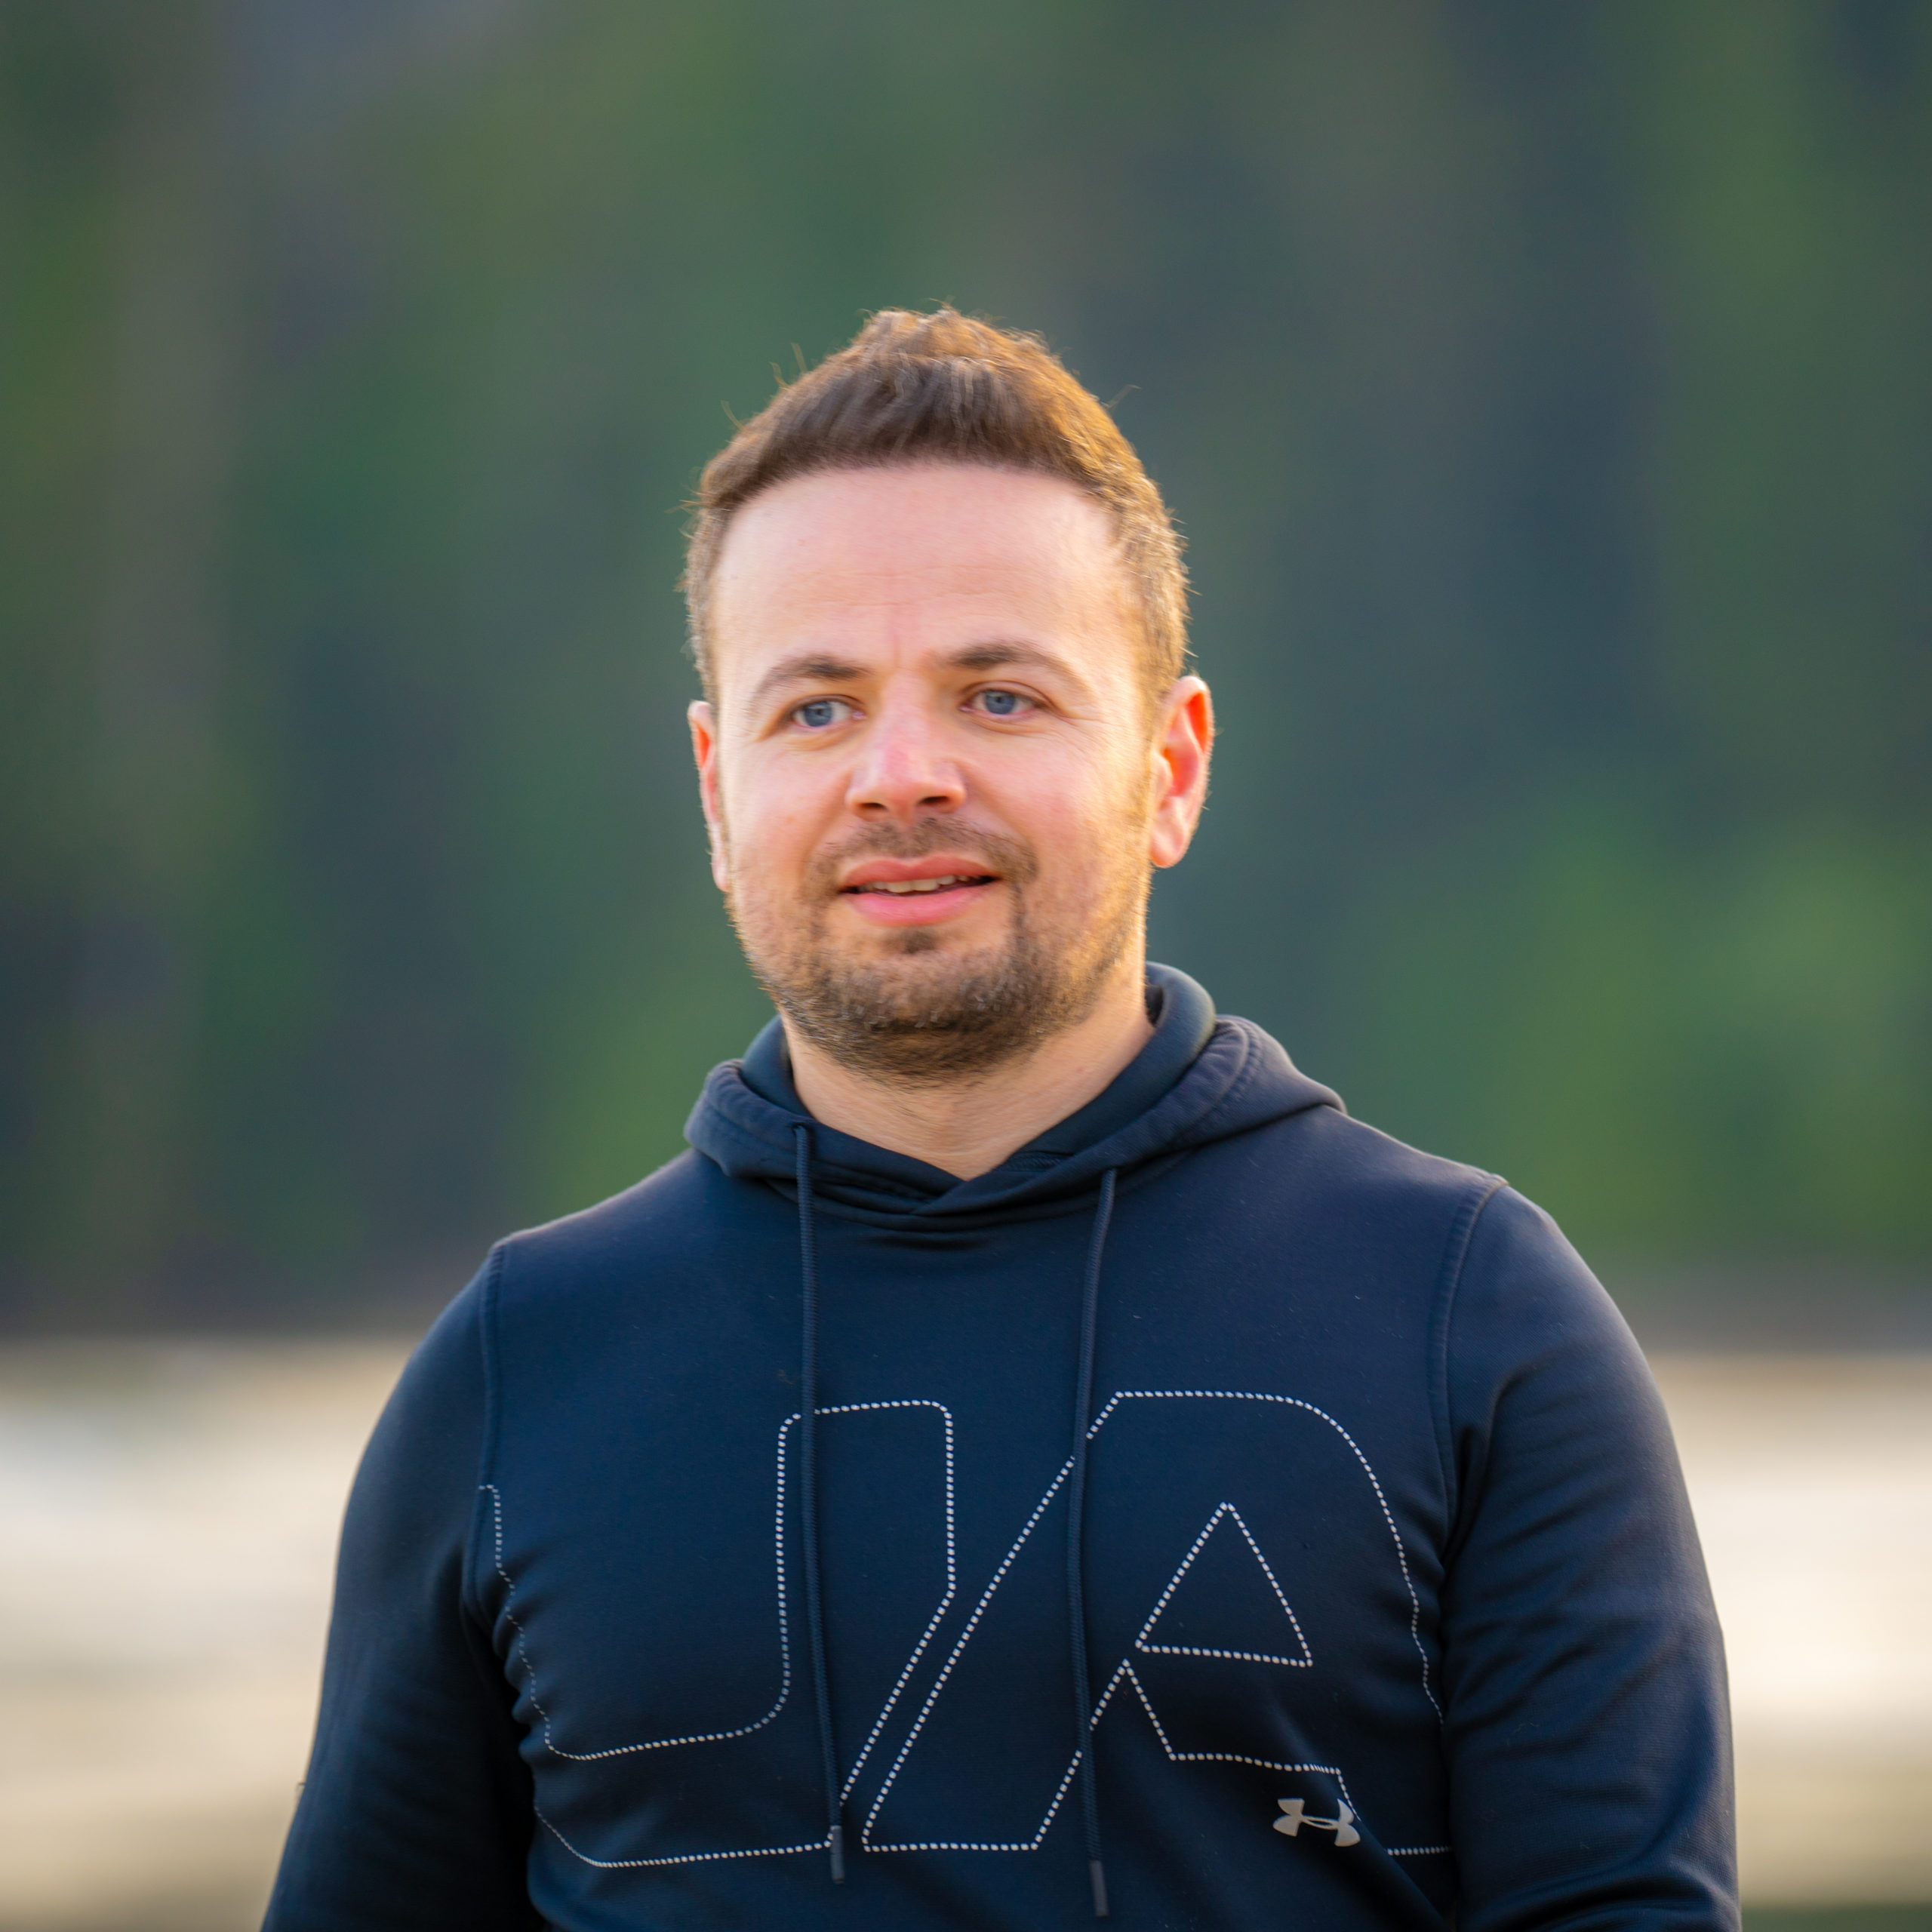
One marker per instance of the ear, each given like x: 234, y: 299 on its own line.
x: 1182, y: 746
x: 703, y: 722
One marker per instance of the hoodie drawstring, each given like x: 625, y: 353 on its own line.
x: 1076, y: 1523
x: 1076, y: 1520
x: 808, y: 1504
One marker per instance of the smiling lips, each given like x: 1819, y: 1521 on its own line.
x: 890, y: 893
x: 940, y: 884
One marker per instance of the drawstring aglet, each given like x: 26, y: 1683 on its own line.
x: 838, y: 1848
x: 1097, y: 1872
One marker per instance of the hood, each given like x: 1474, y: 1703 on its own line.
x: 1201, y: 1078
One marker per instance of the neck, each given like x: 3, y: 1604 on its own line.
x: 967, y: 1126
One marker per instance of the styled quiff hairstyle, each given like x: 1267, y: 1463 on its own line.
x: 945, y: 388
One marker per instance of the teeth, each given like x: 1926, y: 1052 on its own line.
x: 903, y: 885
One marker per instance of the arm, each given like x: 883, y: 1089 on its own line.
x: 1588, y: 1729
x: 416, y: 1812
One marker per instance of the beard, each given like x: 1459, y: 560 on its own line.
x: 919, y: 1010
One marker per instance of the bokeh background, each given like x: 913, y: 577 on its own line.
x: 1546, y: 394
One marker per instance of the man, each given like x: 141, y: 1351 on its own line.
x: 1036, y: 1457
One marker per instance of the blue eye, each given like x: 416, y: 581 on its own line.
x: 1002, y: 704
x: 818, y: 713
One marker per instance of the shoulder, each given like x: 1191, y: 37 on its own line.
x: 1350, y: 1156
x: 657, y: 1213
x: 1487, y: 1272
x: 1524, y: 1304
x: 676, y: 1235
x: 1510, y: 1288
x: 416, y: 1485
x: 1357, y: 1190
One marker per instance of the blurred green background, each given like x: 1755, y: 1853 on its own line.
x: 1545, y: 392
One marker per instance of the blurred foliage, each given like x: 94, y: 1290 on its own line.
x: 1545, y: 392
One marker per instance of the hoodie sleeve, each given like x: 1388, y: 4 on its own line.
x: 1587, y: 1723
x: 416, y: 1812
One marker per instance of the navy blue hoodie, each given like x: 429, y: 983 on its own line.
x: 1386, y: 1607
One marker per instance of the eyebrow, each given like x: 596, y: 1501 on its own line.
x: 815, y: 667
x: 993, y: 656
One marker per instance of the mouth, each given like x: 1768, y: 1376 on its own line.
x: 897, y: 893
x: 899, y: 888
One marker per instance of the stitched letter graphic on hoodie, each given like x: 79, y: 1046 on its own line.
x: 1391, y: 1605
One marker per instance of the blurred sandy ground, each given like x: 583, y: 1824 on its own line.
x: 168, y: 1514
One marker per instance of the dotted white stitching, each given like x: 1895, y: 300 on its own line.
x: 1030, y: 1844
x: 1214, y: 1757
x: 925, y: 1709
x: 972, y: 1623
x: 522, y: 1646
x: 1292, y: 1402
x: 1125, y: 1669
x: 683, y: 1858
x: 1140, y: 1643
x: 946, y: 1601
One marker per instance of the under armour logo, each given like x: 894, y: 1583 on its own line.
x: 1343, y: 1824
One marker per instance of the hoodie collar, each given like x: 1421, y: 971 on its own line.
x: 1197, y: 1080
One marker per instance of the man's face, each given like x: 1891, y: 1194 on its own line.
x: 933, y: 780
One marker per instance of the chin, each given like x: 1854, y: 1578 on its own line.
x: 914, y: 942
x: 941, y: 948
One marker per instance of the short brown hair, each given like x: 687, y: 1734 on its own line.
x: 947, y: 388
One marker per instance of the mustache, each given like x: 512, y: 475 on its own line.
x: 1013, y: 859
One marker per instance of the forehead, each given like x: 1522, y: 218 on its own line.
x: 922, y: 553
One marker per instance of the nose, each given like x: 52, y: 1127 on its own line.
x: 904, y: 771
